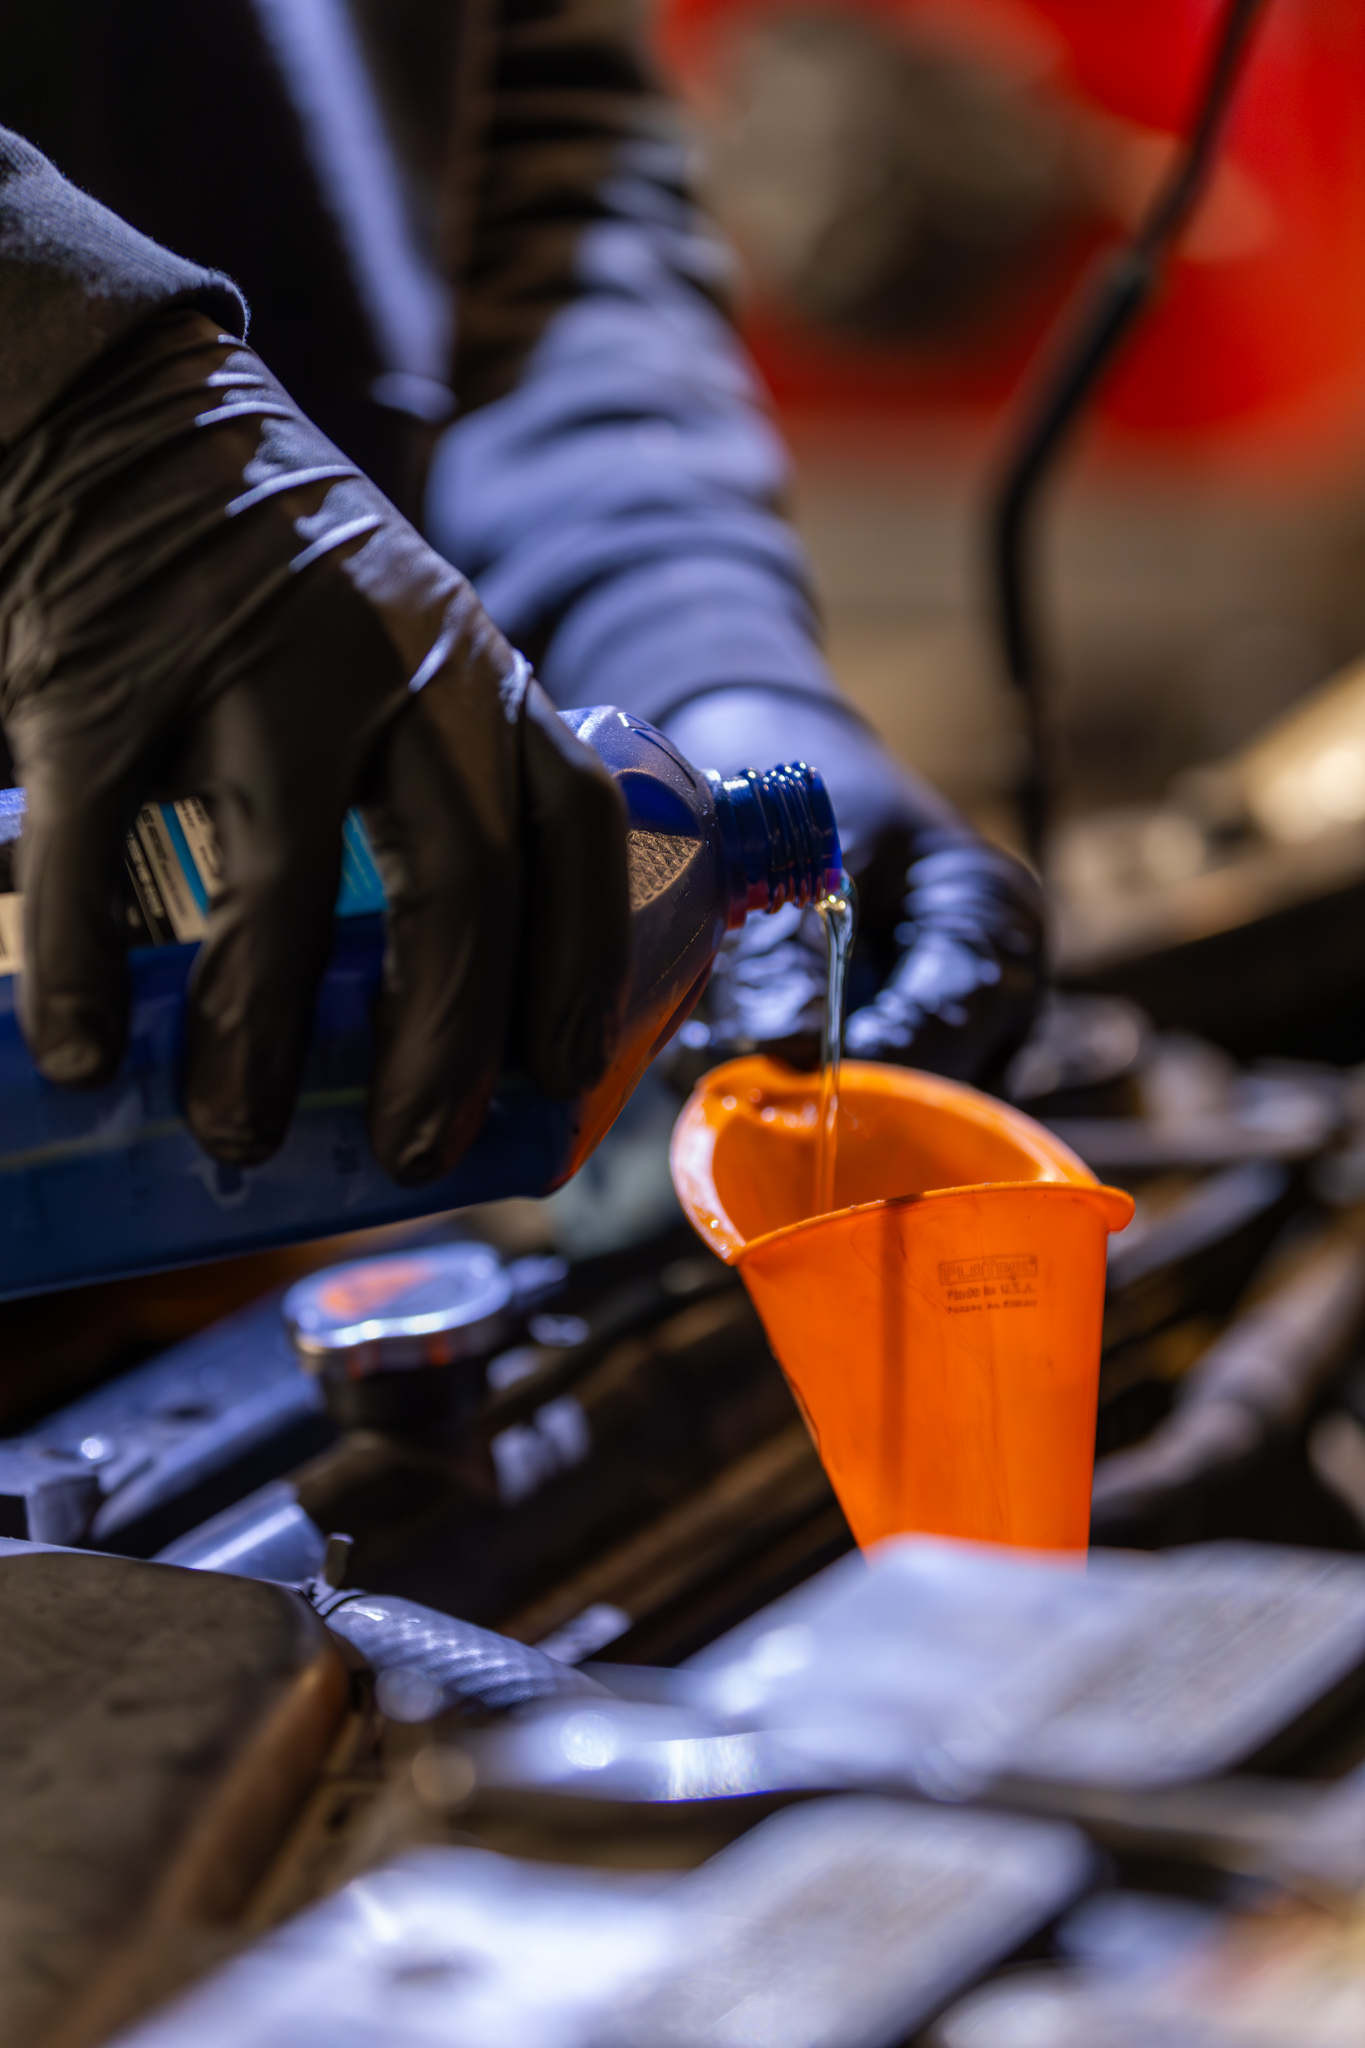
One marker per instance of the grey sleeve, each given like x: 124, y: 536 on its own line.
x: 613, y: 483
x: 74, y: 279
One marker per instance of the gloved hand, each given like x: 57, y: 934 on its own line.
x: 947, y: 963
x: 200, y: 595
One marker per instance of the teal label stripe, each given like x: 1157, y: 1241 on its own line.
x: 175, y: 832
x: 361, y: 892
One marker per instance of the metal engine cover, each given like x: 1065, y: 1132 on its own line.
x: 158, y: 1729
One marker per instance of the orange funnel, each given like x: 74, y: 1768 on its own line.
x: 941, y: 1326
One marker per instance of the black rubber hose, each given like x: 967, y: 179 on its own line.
x: 1085, y: 341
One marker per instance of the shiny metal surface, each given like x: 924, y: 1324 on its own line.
x: 426, y: 1663
x: 425, y: 1306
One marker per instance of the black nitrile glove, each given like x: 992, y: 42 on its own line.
x: 947, y: 964
x: 200, y: 595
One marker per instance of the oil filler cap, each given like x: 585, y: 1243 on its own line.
x: 425, y: 1308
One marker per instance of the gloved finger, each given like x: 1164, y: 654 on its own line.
x: 453, y: 888
x: 767, y: 990
x: 254, y: 987
x: 279, y: 757
x: 960, y: 999
x: 575, y: 954
x: 934, y: 1012
x: 947, y: 1011
x: 74, y: 984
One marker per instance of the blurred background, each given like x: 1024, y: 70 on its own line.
x: 917, y: 191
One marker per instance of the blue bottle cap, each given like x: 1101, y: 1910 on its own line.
x: 415, y: 1308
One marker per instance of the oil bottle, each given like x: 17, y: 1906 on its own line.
x: 110, y: 1182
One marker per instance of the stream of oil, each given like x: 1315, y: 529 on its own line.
x: 837, y: 914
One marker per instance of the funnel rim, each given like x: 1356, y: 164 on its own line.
x: 695, y: 1134
x: 1117, y: 1197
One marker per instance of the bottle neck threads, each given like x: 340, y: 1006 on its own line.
x: 780, y: 838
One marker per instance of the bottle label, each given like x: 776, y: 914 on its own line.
x: 173, y: 870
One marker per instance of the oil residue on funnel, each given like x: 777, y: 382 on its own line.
x: 838, y: 911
